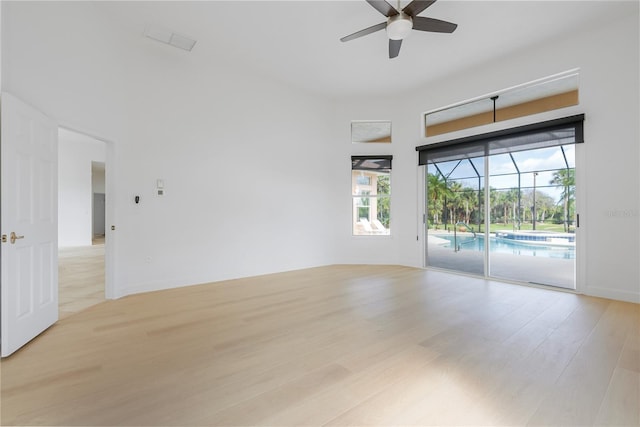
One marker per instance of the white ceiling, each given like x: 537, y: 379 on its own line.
x: 298, y: 41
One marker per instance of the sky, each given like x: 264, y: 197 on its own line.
x: 503, y: 173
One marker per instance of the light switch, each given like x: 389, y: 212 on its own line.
x: 160, y: 183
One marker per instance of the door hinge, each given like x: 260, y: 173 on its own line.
x: 577, y: 220
x: 4, y: 238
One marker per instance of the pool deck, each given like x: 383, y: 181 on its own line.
x: 522, y: 268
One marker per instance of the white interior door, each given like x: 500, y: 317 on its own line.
x: 29, y: 223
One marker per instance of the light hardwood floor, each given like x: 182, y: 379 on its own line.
x: 81, y: 277
x: 338, y: 345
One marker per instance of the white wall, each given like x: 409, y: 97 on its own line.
x: 75, y: 194
x: 257, y: 174
x: 246, y: 165
x: 247, y: 162
x: 98, y: 188
x: 98, y: 178
x: 609, y: 91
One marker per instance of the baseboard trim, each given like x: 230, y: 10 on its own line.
x: 613, y: 294
x: 193, y: 281
x: 164, y: 285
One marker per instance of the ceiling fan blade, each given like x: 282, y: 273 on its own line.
x: 394, y: 48
x: 383, y: 7
x: 417, y: 6
x: 364, y: 32
x: 422, y: 23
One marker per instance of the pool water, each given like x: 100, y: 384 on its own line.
x: 469, y: 243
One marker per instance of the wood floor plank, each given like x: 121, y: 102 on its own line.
x: 80, y: 278
x: 354, y: 390
x: 336, y: 345
x: 620, y: 404
x: 567, y: 403
x: 256, y: 410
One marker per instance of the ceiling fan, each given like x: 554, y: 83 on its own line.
x: 400, y: 22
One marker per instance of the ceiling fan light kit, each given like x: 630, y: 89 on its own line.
x: 400, y: 22
x: 399, y: 26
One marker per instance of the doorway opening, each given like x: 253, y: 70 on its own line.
x: 81, y: 221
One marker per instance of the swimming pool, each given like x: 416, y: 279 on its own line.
x: 506, y: 246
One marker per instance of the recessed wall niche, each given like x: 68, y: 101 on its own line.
x: 547, y: 94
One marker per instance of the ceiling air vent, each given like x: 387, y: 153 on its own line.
x: 168, y: 37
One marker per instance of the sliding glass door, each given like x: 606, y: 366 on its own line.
x: 455, y: 206
x: 532, y: 234
x: 508, y: 213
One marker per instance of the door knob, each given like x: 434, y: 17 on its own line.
x: 14, y: 237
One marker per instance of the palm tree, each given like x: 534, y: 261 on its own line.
x: 454, y: 199
x: 526, y: 200
x: 495, y: 199
x: 511, y: 199
x: 567, y: 179
x: 545, y: 203
x: 469, y: 199
x: 437, y: 191
x: 502, y: 200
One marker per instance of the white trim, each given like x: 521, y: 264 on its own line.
x: 487, y: 215
x: 421, y: 209
x: 161, y: 285
x: 580, y: 280
x: 155, y: 286
x: 612, y: 294
x: 376, y: 236
x: 507, y: 281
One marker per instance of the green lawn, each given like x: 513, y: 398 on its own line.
x: 559, y: 228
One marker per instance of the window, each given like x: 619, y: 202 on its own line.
x: 364, y: 180
x: 551, y: 93
x: 371, y: 195
x: 373, y: 131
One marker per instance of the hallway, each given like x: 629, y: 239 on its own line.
x: 81, y: 277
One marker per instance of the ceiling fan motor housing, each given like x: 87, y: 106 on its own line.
x: 399, y: 26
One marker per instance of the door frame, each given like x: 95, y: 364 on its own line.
x: 581, y: 204
x: 109, y: 235
x: 581, y: 209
